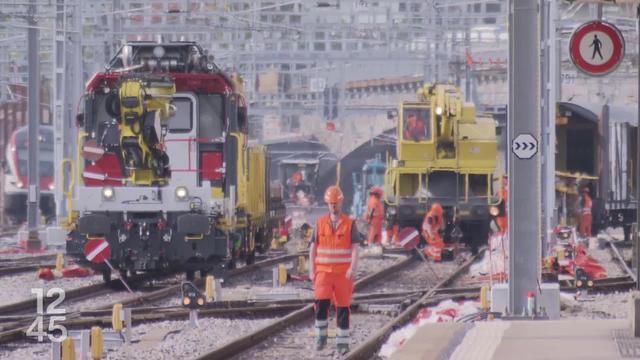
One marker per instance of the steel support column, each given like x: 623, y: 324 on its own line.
x: 635, y: 243
x: 68, y: 71
x: 549, y: 100
x: 524, y: 175
x: 33, y: 192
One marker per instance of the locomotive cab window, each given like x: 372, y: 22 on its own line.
x: 182, y: 120
x: 416, y: 124
x: 211, y: 115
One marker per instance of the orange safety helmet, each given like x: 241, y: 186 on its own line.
x: 333, y: 195
x: 376, y: 190
x: 436, y: 209
x: 296, y: 176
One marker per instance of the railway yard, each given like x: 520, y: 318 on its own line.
x: 253, y: 319
x: 342, y: 179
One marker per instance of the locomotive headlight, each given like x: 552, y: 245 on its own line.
x: 494, y: 211
x: 52, y: 186
x: 108, y: 193
x: 438, y: 110
x: 19, y: 184
x: 181, y: 193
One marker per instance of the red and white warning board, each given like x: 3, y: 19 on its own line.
x: 596, y: 47
x: 409, y: 237
x: 96, y: 250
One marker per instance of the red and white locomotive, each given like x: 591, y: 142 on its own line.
x: 167, y: 176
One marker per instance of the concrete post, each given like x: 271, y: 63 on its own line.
x: 524, y: 174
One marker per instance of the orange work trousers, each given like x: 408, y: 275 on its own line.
x: 334, y: 286
x: 585, y: 225
x: 501, y: 221
x: 434, y: 247
x: 374, y: 236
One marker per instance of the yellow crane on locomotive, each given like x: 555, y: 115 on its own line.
x: 142, y: 105
x: 446, y: 154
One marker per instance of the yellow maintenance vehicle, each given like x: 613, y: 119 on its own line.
x: 164, y: 172
x: 446, y: 154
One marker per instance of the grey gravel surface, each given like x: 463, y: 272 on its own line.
x: 157, y: 341
x: 298, y: 342
x: 418, y: 275
x: 25, y: 351
x: 183, y: 341
x: 260, y: 283
x: 597, y: 306
x: 18, y: 287
x: 606, y: 259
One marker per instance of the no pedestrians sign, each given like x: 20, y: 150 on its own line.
x: 596, y: 47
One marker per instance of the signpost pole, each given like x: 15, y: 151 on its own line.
x: 119, y: 276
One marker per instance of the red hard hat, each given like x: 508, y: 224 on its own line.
x: 333, y: 195
x: 376, y: 190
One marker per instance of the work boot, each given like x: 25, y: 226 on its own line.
x: 343, y: 349
x: 342, y: 337
x: 321, y: 326
x: 321, y: 341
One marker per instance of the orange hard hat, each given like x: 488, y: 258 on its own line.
x: 436, y: 208
x: 376, y: 190
x: 333, y: 195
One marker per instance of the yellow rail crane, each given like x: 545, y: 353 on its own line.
x: 446, y: 154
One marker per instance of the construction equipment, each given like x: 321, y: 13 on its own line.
x: 372, y: 175
x: 446, y: 154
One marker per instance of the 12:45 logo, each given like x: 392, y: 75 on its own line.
x: 56, y: 332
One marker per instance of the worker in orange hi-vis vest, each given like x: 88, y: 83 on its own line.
x: 333, y: 258
x: 585, y: 214
x: 503, y: 194
x: 374, y: 215
x: 431, y: 226
x: 293, y: 181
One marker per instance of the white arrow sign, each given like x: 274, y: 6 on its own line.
x: 524, y: 146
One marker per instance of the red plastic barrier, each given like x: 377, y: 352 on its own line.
x: 75, y: 272
x: 45, y: 274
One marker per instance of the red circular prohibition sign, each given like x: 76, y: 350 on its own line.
x: 618, y: 47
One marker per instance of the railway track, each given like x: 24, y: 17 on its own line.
x: 25, y: 264
x: 9, y: 230
x: 287, y: 336
x: 15, y: 326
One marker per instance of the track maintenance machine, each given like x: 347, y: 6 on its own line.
x: 446, y: 154
x: 164, y: 173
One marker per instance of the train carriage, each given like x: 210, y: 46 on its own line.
x: 596, y: 147
x: 16, y: 180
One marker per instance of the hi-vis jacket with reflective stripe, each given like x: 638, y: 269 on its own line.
x: 334, y: 247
